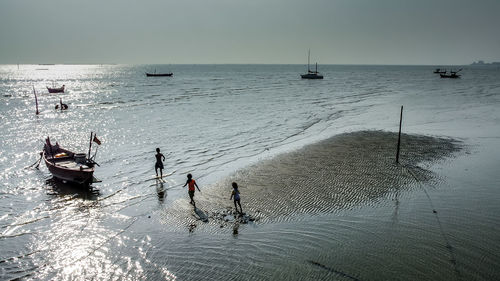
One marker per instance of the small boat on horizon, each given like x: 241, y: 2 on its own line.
x: 68, y: 166
x: 56, y: 90
x: 311, y: 74
x: 453, y: 74
x: 158, y: 74
x: 439, y: 71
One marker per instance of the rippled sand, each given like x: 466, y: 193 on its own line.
x: 341, y: 172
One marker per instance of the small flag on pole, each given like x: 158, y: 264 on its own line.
x: 96, y: 140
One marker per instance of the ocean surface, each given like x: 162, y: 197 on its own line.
x: 214, y: 120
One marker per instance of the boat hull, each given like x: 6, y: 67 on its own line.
x: 158, y: 75
x: 68, y: 166
x: 56, y: 90
x: 311, y: 76
x: 83, y: 177
x: 449, y: 76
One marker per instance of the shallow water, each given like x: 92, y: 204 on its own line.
x: 213, y: 120
x: 348, y: 170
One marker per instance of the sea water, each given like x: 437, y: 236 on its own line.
x: 211, y: 121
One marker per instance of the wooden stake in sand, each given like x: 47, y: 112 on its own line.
x: 36, y: 101
x: 399, y: 136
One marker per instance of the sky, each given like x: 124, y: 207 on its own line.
x: 417, y: 32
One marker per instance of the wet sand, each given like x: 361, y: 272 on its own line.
x: 345, y: 171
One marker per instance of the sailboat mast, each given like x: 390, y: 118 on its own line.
x: 308, y: 58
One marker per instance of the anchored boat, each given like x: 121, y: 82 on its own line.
x: 453, y: 74
x: 67, y: 165
x: 56, y: 90
x: 311, y: 74
x: 158, y: 74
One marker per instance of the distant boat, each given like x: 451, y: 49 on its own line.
x: 67, y: 165
x: 439, y: 71
x: 311, y: 74
x: 158, y: 74
x: 453, y: 74
x: 56, y: 90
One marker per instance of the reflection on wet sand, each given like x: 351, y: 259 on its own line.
x: 338, y: 173
x: 160, y: 191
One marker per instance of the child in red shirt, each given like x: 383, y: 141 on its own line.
x: 191, y: 183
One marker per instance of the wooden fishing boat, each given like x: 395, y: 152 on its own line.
x: 453, y: 74
x: 158, y: 74
x: 56, y: 90
x: 311, y: 74
x: 67, y: 165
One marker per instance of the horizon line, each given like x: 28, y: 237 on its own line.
x: 345, y: 64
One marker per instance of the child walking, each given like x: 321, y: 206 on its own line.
x: 191, y: 183
x: 159, y: 162
x: 236, y: 195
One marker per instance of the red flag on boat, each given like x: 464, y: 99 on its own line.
x: 96, y: 140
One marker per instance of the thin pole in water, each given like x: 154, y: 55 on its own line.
x: 36, y: 101
x: 399, y: 136
x: 90, y: 143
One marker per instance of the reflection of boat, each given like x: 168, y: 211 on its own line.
x: 60, y: 188
x: 439, y: 71
x: 56, y: 90
x: 311, y: 74
x: 67, y: 165
x: 453, y: 74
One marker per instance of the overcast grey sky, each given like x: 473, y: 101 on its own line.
x: 250, y: 31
